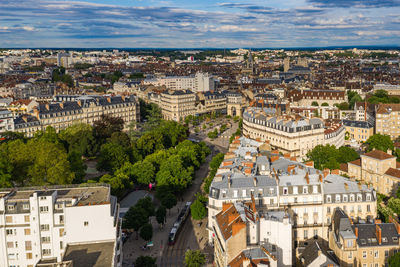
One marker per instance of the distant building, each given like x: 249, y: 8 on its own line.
x: 388, y: 120
x: 60, y: 224
x: 363, y: 244
x: 377, y: 168
x: 358, y: 131
x: 178, y: 104
x: 6, y: 121
x: 201, y: 82
x: 392, y: 89
x: 301, y: 97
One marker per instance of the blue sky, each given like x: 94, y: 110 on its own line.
x: 198, y: 23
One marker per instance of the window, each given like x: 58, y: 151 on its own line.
x: 61, y: 245
x: 25, y: 206
x: 29, y: 256
x: 328, y: 210
x: 10, y: 207
x: 315, y: 189
x: 368, y: 197
x: 10, y: 244
x: 351, y: 198
x: 42, y: 198
x: 349, y: 243
x: 305, y: 234
x: 61, y: 231
x: 364, y: 254
x: 44, y: 209
x: 10, y: 231
x: 86, y: 223
x: 44, y: 227
x: 315, y: 234
x: 9, y: 219
x: 376, y: 254
x: 350, y: 255
x: 26, y: 218
x: 368, y: 208
x: 285, y: 191
x: 45, y: 239
x: 295, y: 190
x: 328, y: 199
x: 28, y: 245
x: 337, y: 198
x: 46, y: 252
x: 235, y: 193
x: 305, y: 190
x: 243, y: 193
x: 345, y: 198
x: 27, y: 231
x: 386, y: 253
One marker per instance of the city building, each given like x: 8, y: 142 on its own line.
x: 82, y: 109
x: 377, y: 168
x: 317, y: 255
x: 6, y: 121
x: 291, y: 134
x: 241, y: 229
x: 177, y: 104
x: 388, y: 120
x: 358, y: 131
x: 201, y: 82
x: 391, y: 89
x: 277, y: 183
x: 363, y: 244
x: 59, y: 224
x: 306, y: 97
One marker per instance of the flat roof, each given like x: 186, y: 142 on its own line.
x: 91, y: 254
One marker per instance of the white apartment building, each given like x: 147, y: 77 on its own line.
x: 53, y: 224
x: 291, y: 134
x: 201, y: 82
x: 6, y: 121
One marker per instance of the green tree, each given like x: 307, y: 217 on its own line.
x: 135, y: 218
x: 166, y: 197
x: 321, y: 155
x: 120, y: 138
x: 112, y: 157
x: 144, y: 172
x: 324, y: 104
x: 315, y: 104
x: 173, y: 174
x: 79, y: 137
x: 394, y: 260
x: 118, y: 182
x: 77, y: 166
x: 161, y: 214
x: 198, y: 210
x: 106, y: 126
x: 346, y: 154
x: 146, y: 232
x: 157, y: 158
x: 146, y: 203
x: 216, y: 161
x: 380, y: 142
x: 343, y: 106
x: 50, y: 163
x: 194, y: 258
x: 150, y: 142
x: 145, y: 261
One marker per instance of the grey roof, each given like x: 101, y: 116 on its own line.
x: 367, y: 234
x: 358, y: 124
x: 312, y: 252
x: 91, y: 254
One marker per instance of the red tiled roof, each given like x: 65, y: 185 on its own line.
x: 378, y: 154
x: 393, y: 172
x: 344, y: 167
x: 356, y: 162
x: 384, y: 108
x: 226, y: 220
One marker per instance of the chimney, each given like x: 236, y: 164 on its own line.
x: 356, y: 231
x: 226, y: 206
x: 290, y: 168
x: 36, y: 113
x: 310, y: 164
x: 123, y: 97
x: 79, y: 103
x: 287, y: 155
x: 253, y: 203
x: 255, y: 182
x: 378, y: 234
x: 336, y: 171
x: 47, y: 106
x: 62, y: 105
x: 396, y: 224
x: 274, y: 158
x: 346, y: 186
x: 108, y: 99
x: 326, y: 172
x: 293, y: 159
x: 320, y: 178
x: 25, y: 118
x: 307, y: 178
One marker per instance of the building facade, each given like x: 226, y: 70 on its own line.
x: 44, y: 224
x: 176, y: 105
x: 388, y: 120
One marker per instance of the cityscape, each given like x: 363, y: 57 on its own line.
x: 177, y: 133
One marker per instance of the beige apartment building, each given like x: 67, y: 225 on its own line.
x: 85, y: 109
x: 305, y: 97
x: 176, y: 105
x: 377, y: 168
x: 291, y: 134
x: 363, y: 244
x: 358, y: 131
x: 388, y: 120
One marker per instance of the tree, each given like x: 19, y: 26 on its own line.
x: 216, y: 161
x: 166, y: 197
x: 106, y: 126
x: 343, y: 106
x: 77, y: 165
x: 80, y: 138
x: 145, y: 261
x: 120, y: 138
x: 394, y: 260
x: 146, y: 232
x: 324, y: 104
x: 135, y: 218
x: 194, y: 258
x: 173, y: 174
x: 112, y: 157
x: 118, y: 182
x: 146, y: 203
x: 150, y: 142
x: 144, y: 172
x: 315, y: 104
x: 161, y: 214
x: 50, y: 163
x: 346, y: 154
x: 198, y: 210
x: 380, y: 142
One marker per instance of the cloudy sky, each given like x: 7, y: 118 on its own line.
x: 199, y: 23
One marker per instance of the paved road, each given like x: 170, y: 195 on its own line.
x: 174, y: 255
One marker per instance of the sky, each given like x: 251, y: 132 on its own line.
x: 198, y: 23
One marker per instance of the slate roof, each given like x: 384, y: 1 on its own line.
x: 313, y: 251
x: 378, y: 154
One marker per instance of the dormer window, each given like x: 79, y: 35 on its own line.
x: 328, y: 199
x: 368, y: 197
x: 337, y: 198
x: 10, y: 207
x: 305, y: 190
x: 345, y: 198
x: 295, y: 190
x: 351, y: 198
x: 285, y: 190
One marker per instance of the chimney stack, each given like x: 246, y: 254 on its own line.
x: 356, y: 231
x: 378, y: 234
x: 255, y: 181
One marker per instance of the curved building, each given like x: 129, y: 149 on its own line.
x: 291, y: 133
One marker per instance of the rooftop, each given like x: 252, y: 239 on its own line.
x: 91, y: 254
x: 378, y: 154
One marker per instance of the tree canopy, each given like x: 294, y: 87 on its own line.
x: 194, y: 258
x: 330, y: 157
x: 380, y: 142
